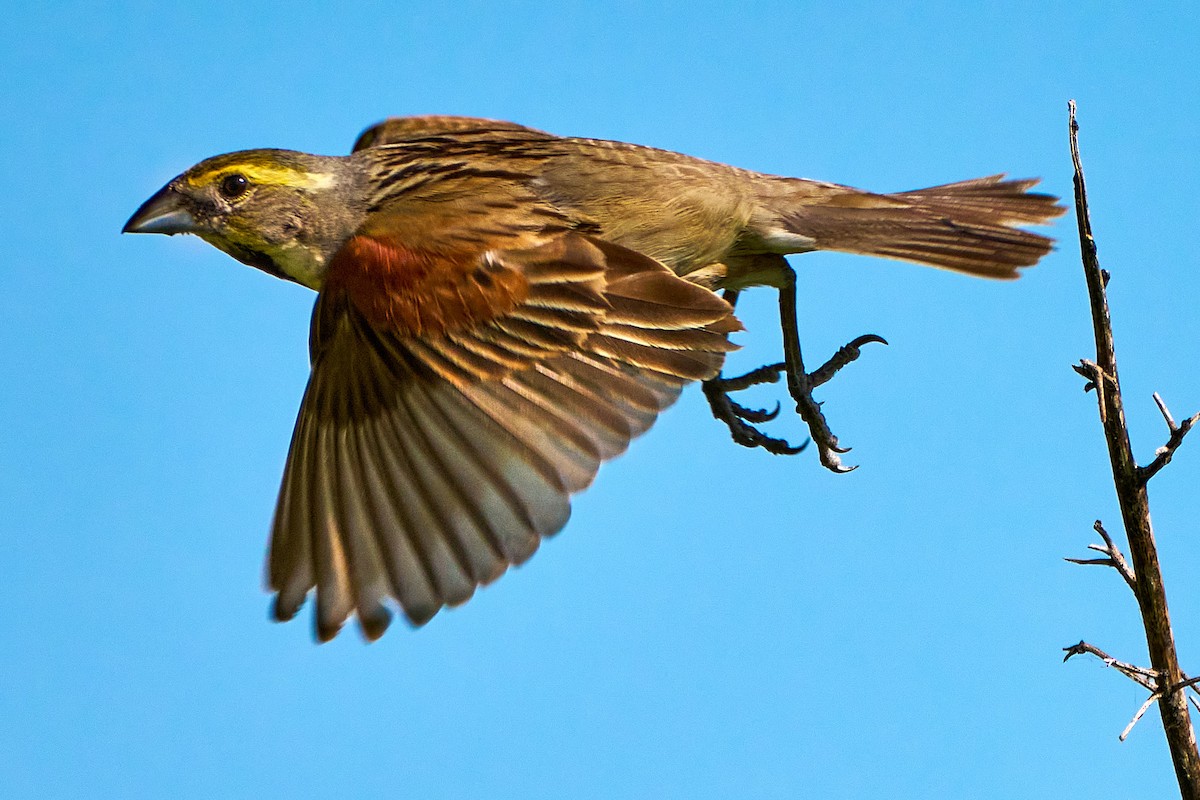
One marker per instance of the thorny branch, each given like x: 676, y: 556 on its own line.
x: 1164, y: 679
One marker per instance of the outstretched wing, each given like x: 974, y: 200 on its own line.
x: 457, y: 400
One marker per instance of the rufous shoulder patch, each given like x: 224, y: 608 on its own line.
x: 422, y: 293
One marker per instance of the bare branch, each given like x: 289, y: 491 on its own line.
x: 1130, y: 482
x: 1163, y: 456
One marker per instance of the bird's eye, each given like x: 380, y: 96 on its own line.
x: 234, y: 185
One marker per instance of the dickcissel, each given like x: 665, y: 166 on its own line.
x: 500, y: 310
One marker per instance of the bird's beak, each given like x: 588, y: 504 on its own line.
x: 165, y: 212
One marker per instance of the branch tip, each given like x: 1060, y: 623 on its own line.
x: 1140, y: 712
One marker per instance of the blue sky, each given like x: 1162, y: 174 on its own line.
x: 714, y: 622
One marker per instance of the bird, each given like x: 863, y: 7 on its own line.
x: 500, y: 310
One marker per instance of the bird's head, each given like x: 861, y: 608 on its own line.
x: 283, y: 212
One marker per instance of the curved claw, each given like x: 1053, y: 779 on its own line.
x: 834, y: 464
x: 781, y: 447
x: 868, y: 338
x: 756, y: 415
x: 845, y: 355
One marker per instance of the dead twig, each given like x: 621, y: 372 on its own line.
x: 1149, y: 702
x: 1116, y: 559
x: 1163, y: 455
x: 1146, y: 678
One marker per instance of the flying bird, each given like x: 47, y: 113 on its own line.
x: 500, y: 310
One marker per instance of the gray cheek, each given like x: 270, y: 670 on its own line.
x: 210, y: 213
x: 287, y: 229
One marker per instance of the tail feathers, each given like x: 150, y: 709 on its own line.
x: 969, y: 226
x: 990, y: 200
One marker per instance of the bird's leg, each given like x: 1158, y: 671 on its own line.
x: 739, y: 418
x: 801, y: 383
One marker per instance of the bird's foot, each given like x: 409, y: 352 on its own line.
x: 741, y: 420
x: 801, y: 385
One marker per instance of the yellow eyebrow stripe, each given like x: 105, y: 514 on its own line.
x: 265, y: 175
